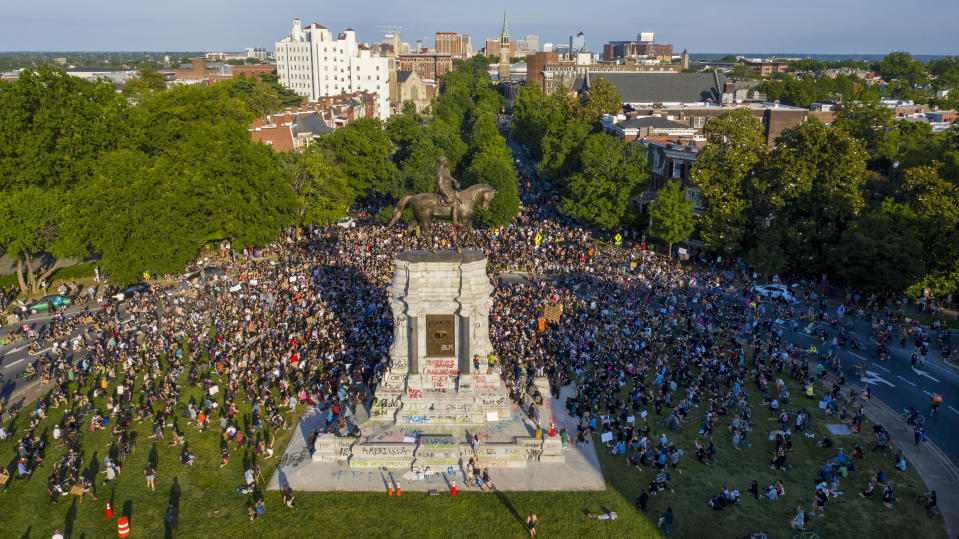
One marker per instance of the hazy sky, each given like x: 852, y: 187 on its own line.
x: 774, y: 26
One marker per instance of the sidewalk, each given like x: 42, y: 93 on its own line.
x: 936, y: 470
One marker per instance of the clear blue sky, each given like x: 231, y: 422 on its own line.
x: 773, y: 26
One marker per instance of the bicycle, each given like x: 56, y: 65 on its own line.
x: 907, y: 416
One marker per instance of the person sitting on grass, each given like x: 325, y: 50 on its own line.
x: 930, y: 503
x: 868, y: 490
x: 888, y: 495
x: 798, y: 521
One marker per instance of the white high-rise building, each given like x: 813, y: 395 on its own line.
x: 311, y: 63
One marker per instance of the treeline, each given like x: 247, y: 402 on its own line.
x: 148, y: 176
x: 115, y: 59
x: 904, y: 76
x: 596, y: 173
x: 811, y: 206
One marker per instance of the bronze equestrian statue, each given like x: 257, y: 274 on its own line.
x: 457, y: 206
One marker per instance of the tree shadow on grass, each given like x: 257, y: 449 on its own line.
x: 26, y: 534
x: 508, y: 505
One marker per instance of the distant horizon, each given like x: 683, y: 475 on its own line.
x: 692, y: 55
x: 819, y: 26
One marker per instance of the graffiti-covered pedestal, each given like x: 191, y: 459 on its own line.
x: 434, y: 399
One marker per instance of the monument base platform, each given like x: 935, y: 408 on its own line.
x: 418, y: 458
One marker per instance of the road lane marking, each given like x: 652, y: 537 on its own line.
x: 881, y: 367
x: 873, y: 377
x: 953, y: 409
x: 857, y: 355
x: 924, y: 373
x: 15, y: 362
x: 906, y: 381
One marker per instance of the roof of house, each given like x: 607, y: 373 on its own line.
x: 402, y: 76
x: 309, y: 123
x: 657, y: 122
x: 639, y: 87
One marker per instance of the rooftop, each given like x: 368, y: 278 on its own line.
x: 645, y: 87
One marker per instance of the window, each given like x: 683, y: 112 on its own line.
x: 699, y: 121
x: 677, y: 170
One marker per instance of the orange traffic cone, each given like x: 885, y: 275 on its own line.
x: 390, y: 486
x: 552, y: 429
x: 399, y: 491
x: 123, y: 527
x: 109, y: 511
x: 454, y: 488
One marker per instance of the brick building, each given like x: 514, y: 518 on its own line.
x: 198, y: 71
x: 251, y: 71
x: 636, y: 49
x: 549, y: 70
x: 456, y: 45
x: 766, y: 68
x: 426, y: 66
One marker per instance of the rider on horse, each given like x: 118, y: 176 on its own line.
x: 447, y: 183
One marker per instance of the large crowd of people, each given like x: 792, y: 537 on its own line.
x: 306, y: 320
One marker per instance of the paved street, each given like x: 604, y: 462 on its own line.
x: 15, y: 358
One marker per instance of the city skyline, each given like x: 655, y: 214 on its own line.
x: 819, y: 27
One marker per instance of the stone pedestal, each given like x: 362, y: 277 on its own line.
x: 431, y: 401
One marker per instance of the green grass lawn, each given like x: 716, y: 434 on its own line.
x: 848, y: 515
x: 210, y: 507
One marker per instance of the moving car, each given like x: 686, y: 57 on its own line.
x: 43, y: 304
x: 774, y: 291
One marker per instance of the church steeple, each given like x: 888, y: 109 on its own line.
x: 505, y: 32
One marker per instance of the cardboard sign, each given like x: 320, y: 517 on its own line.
x: 643, y: 414
x: 235, y: 288
x: 631, y: 419
x: 552, y: 312
x: 214, y: 390
x: 607, y: 437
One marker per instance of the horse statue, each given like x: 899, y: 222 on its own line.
x: 427, y: 206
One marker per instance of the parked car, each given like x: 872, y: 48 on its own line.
x: 346, y: 222
x: 138, y: 288
x: 774, y: 291
x: 206, y: 273
x: 44, y: 303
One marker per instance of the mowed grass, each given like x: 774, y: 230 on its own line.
x: 847, y: 515
x: 210, y: 506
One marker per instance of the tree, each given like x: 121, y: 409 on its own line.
x: 534, y: 114
x: 148, y: 80
x: 363, y: 150
x: 601, y: 99
x: 612, y: 173
x: 53, y: 127
x: 671, y: 215
x: 322, y: 190
x: 866, y: 119
x: 935, y: 201
x: 901, y: 65
x: 242, y: 87
x: 880, y: 251
x: 812, y: 186
x: 30, y: 224
x: 189, y: 175
x: 262, y: 99
x: 493, y: 165
x: 724, y: 173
